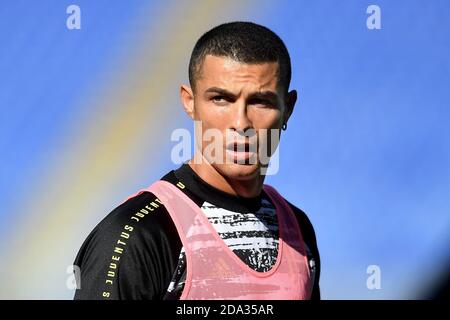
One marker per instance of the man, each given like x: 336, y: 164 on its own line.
x: 211, y: 229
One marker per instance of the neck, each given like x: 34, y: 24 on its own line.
x: 247, y: 188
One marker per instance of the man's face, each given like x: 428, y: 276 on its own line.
x: 238, y: 100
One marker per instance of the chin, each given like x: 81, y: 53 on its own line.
x: 238, y: 171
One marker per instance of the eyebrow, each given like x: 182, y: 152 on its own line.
x: 256, y: 95
x: 270, y: 95
x: 220, y: 91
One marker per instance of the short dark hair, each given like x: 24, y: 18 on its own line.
x: 245, y: 42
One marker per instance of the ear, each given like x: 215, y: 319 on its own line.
x: 291, y: 99
x: 187, y: 98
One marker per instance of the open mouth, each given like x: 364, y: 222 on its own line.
x: 241, y: 152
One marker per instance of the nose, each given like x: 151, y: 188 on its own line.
x: 240, y: 121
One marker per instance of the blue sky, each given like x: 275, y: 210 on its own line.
x: 371, y: 138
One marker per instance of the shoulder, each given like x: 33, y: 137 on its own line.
x: 302, y: 218
x: 309, y: 236
x: 128, y: 246
x: 306, y: 226
x: 141, y: 216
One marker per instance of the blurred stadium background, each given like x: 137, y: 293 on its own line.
x: 86, y: 117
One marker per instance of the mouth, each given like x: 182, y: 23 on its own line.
x: 241, y: 152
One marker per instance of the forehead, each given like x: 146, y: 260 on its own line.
x: 229, y: 73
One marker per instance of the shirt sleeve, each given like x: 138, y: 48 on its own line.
x: 309, y: 237
x: 125, y: 259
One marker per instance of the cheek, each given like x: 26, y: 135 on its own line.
x: 211, y: 116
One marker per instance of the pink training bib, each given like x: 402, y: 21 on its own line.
x: 215, y: 272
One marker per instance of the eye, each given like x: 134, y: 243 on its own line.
x: 264, y: 103
x: 219, y: 100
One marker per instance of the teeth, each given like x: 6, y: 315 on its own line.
x: 236, y: 147
x: 241, y: 148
